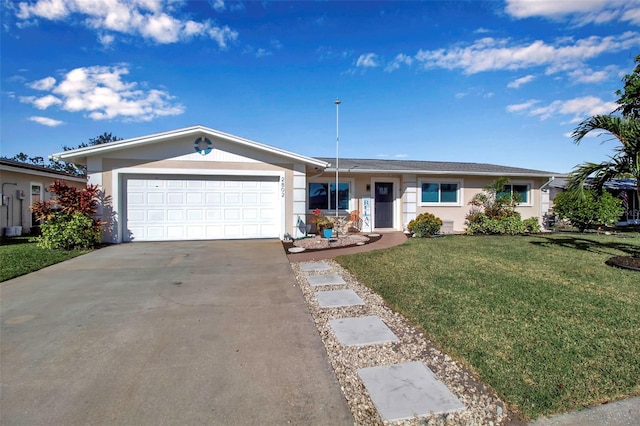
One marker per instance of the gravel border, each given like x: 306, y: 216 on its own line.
x: 483, y: 406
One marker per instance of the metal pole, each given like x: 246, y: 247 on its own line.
x: 337, y: 102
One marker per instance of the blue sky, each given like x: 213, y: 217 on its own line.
x: 501, y: 82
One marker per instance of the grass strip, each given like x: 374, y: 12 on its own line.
x: 20, y: 257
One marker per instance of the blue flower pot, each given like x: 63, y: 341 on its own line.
x: 328, y: 233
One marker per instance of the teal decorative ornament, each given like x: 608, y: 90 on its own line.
x: 203, y: 146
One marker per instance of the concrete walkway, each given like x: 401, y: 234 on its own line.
x: 208, y: 332
x: 389, y: 239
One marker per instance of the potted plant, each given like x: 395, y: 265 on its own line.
x: 327, y: 229
x: 324, y: 225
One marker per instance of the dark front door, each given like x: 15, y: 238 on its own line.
x: 383, y: 205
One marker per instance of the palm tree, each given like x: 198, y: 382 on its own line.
x: 624, y: 163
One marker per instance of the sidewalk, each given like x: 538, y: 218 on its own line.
x: 389, y: 239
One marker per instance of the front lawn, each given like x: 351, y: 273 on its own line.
x: 20, y: 257
x: 541, y: 319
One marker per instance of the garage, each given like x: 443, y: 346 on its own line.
x: 160, y: 208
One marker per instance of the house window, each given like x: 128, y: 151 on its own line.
x: 521, y: 189
x: 440, y: 193
x: 322, y: 195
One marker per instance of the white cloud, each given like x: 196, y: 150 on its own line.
x: 579, y: 108
x: 101, y: 93
x: 520, y: 81
x: 489, y: 54
x: 106, y: 39
x: 580, y: 12
x: 218, y: 5
x: 400, y: 59
x: 151, y: 19
x: 367, y: 60
x: 44, y: 84
x: 587, y: 75
x: 45, y: 121
x: 523, y: 106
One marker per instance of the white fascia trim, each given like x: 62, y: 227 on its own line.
x: 42, y: 173
x: 118, y: 200
x: 195, y: 130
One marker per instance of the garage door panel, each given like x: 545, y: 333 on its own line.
x: 155, y: 215
x: 215, y: 208
x: 194, y: 215
x: 155, y: 198
x: 213, y: 198
x: 194, y: 198
x: 175, y: 198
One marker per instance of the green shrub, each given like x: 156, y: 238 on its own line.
x: 532, y: 225
x: 591, y: 211
x: 482, y: 224
x: 68, y: 232
x: 425, y: 225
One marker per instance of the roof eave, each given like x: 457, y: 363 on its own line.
x: 434, y: 172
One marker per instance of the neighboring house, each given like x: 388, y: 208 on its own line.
x: 200, y: 183
x: 22, y: 185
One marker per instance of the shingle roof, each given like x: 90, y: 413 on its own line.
x: 13, y: 163
x: 356, y: 165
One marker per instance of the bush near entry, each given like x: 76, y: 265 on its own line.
x: 425, y: 225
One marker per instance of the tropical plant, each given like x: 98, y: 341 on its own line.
x: 495, y: 202
x: 624, y: 163
x: 592, y: 210
x: 67, y: 220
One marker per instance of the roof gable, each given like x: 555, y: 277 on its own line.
x: 79, y: 156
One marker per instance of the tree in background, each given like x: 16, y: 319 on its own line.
x: 625, y: 162
x: 629, y: 100
x: 63, y: 166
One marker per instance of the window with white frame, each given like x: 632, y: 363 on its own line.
x: 322, y: 195
x: 440, y: 192
x: 521, y: 189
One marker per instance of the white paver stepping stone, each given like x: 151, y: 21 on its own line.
x: 362, y: 331
x: 335, y: 298
x: 402, y: 391
x: 314, y: 266
x: 326, y: 279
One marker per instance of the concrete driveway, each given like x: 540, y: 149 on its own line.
x: 211, y: 332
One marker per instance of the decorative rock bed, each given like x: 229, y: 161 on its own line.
x: 319, y: 243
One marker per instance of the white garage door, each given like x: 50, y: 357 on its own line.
x: 195, y: 209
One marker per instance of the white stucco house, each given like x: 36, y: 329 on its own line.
x: 200, y: 183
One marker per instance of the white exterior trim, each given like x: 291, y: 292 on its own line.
x: 460, y: 183
x: 119, y: 201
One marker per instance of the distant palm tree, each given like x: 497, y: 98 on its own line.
x: 624, y: 163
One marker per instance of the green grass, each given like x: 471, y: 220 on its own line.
x: 541, y: 319
x: 20, y: 257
